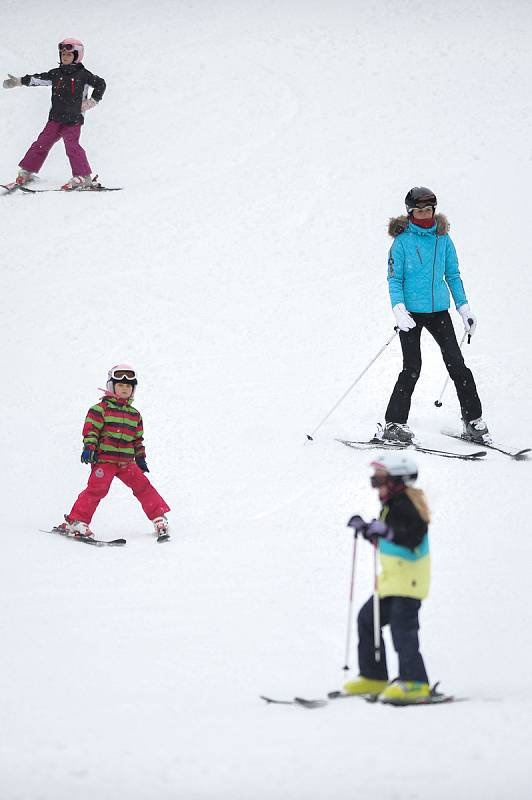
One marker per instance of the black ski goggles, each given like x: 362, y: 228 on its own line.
x: 68, y: 47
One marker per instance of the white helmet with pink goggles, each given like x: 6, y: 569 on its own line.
x: 122, y: 373
x: 75, y: 45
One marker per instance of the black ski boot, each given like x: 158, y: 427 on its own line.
x: 397, y: 432
x: 477, y: 431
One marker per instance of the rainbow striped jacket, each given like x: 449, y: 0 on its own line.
x: 114, y: 429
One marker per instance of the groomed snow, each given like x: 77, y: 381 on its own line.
x: 263, y: 147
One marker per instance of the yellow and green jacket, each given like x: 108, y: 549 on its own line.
x: 405, y: 555
x: 113, y: 428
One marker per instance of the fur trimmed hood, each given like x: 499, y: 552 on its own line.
x: 398, y: 225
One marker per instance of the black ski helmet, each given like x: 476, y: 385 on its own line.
x: 420, y: 197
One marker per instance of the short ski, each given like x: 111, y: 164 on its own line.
x: 69, y: 191
x: 434, y: 698
x: 517, y: 455
x: 9, y: 187
x: 297, y: 701
x: 380, y: 445
x: 88, y: 539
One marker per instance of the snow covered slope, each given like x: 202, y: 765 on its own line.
x: 263, y: 147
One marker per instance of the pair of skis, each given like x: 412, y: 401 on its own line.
x: 434, y: 698
x: 97, y: 187
x: 162, y: 537
x: 380, y: 444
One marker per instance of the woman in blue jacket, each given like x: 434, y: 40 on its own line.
x: 422, y: 268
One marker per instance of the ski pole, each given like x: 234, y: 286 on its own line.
x: 350, y: 609
x: 310, y: 436
x: 376, y: 609
x: 438, y: 403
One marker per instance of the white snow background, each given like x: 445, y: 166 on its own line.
x: 262, y: 147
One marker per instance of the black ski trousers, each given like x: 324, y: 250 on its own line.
x: 440, y: 326
x: 401, y: 614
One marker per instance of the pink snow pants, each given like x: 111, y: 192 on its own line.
x: 99, y: 483
x: 50, y: 134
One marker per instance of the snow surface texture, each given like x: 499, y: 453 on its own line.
x: 263, y: 147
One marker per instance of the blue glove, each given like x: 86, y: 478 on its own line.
x: 88, y: 456
x: 358, y: 524
x: 377, y: 530
x: 141, y: 463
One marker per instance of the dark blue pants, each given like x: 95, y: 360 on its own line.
x: 401, y: 614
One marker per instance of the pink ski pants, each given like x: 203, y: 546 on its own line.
x: 50, y: 134
x: 99, y: 483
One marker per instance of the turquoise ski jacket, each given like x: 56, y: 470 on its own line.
x: 423, y: 266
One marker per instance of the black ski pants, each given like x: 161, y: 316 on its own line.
x: 401, y: 614
x: 440, y: 326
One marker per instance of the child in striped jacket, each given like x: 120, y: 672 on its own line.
x: 113, y: 446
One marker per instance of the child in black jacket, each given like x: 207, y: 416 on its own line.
x: 69, y: 82
x: 401, y: 536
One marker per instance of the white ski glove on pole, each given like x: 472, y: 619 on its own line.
x: 468, y: 318
x: 87, y: 104
x: 11, y: 82
x: 404, y: 320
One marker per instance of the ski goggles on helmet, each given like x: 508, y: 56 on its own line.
x: 381, y: 479
x: 67, y: 46
x: 121, y: 374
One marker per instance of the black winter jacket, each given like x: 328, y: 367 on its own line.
x: 401, y: 515
x: 70, y: 86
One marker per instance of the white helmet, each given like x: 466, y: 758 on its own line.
x: 397, y: 465
x: 121, y: 372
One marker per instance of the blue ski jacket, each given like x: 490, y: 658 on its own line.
x: 423, y: 266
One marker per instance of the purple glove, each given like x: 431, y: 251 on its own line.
x: 358, y: 524
x: 377, y: 530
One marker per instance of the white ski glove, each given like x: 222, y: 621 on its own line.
x: 87, y: 104
x: 11, y: 82
x: 404, y: 320
x: 468, y: 318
